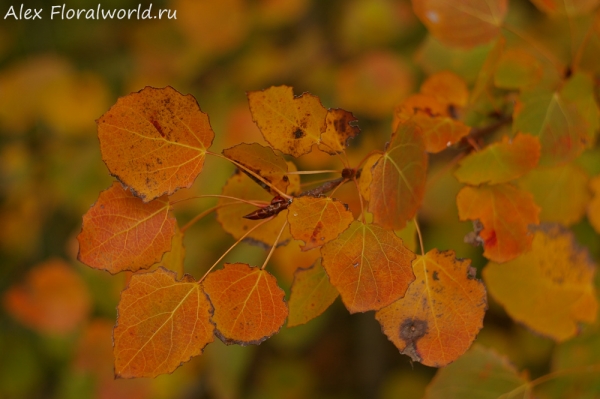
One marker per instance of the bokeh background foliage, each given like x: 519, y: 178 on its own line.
x: 57, y: 77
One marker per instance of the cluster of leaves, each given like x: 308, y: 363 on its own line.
x: 519, y: 134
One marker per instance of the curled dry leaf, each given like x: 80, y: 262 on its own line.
x: 398, y: 182
x: 550, y: 289
x: 480, y: 373
x: 264, y: 162
x: 249, y: 306
x: 162, y: 322
x: 230, y: 213
x: 505, y: 212
x: 121, y: 232
x: 289, y: 124
x: 53, y: 299
x: 341, y: 128
x: 316, y: 221
x: 441, y: 313
x: 369, y: 266
x: 462, y: 23
x: 500, y: 162
x: 155, y: 141
x: 312, y: 294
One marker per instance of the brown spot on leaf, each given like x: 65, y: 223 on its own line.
x: 298, y: 134
x: 435, y: 275
x: 411, y: 330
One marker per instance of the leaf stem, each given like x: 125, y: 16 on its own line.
x: 250, y: 172
x: 419, y: 235
x: 274, y: 245
x: 233, y: 246
x: 323, y: 188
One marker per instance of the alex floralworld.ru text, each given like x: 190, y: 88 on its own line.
x: 62, y: 12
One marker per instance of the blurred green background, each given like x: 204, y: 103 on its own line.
x: 58, y: 76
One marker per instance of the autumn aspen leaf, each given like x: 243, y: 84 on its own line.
x: 506, y: 213
x: 121, y: 232
x: 312, y: 294
x: 162, y: 322
x: 289, y: 124
x: 316, y: 221
x: 53, y: 299
x: 369, y: 266
x: 249, y: 307
x: 463, y: 23
x: 500, y: 162
x: 155, y: 141
x: 398, y: 178
x: 550, y: 289
x: 442, y: 312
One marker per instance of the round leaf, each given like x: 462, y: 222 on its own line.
x: 155, y: 141
x: 121, y: 232
x: 441, y: 313
x: 249, y: 306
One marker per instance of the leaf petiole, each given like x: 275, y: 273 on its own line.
x: 419, y: 235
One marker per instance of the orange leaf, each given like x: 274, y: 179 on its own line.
x: 550, y: 288
x: 162, y: 323
x: 447, y: 88
x: 155, y: 141
x: 231, y: 213
x: 500, y: 162
x: 369, y: 266
x: 52, y: 300
x: 462, y: 23
x: 594, y: 206
x: 289, y: 124
x: 505, y: 212
x: 398, y: 183
x: 249, y: 306
x: 121, y: 232
x: 264, y: 162
x: 340, y: 130
x: 317, y: 221
x: 312, y: 294
x: 441, y: 313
